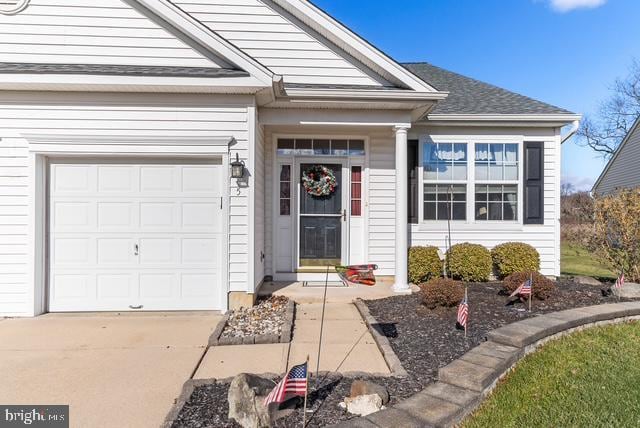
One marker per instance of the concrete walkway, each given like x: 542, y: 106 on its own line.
x: 347, y: 347
x: 113, y: 370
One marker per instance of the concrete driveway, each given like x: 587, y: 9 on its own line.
x: 114, y: 370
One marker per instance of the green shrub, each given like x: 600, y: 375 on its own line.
x: 512, y: 257
x: 469, y: 262
x: 424, y: 264
x: 542, y: 288
x: 441, y: 292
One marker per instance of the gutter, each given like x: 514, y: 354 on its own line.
x: 574, y: 128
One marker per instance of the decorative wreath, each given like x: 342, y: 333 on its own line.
x: 319, y: 180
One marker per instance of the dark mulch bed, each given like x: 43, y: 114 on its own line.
x: 423, y: 339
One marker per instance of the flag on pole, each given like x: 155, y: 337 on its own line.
x: 295, y: 382
x: 523, y: 290
x: 619, y: 281
x: 463, y: 313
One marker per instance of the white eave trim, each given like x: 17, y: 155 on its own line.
x: 200, y: 33
x: 560, y: 118
x: 114, y: 83
x: 626, y: 138
x: 353, y: 44
x: 383, y: 95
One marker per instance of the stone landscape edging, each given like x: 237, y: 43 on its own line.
x: 284, y: 337
x: 390, y: 357
x: 464, y: 383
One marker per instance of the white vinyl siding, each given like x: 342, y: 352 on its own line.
x: 105, y: 115
x: 91, y: 32
x: 278, y: 42
x: 623, y: 169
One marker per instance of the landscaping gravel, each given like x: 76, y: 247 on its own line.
x: 267, y: 317
x: 423, y: 339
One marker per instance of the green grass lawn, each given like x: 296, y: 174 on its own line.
x: 575, y: 260
x: 588, y: 379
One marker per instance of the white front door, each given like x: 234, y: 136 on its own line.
x: 135, y: 235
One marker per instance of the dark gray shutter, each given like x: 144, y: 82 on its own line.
x: 533, y: 183
x: 412, y: 160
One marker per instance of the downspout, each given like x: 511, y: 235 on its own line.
x: 574, y: 128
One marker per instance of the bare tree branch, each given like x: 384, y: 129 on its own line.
x: 615, y: 116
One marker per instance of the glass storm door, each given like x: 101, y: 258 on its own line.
x: 321, y: 222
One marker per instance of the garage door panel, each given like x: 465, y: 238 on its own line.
x: 117, y: 179
x: 115, y: 286
x: 132, y: 235
x: 158, y: 214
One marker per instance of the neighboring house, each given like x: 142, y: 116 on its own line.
x: 119, y: 121
x: 621, y: 171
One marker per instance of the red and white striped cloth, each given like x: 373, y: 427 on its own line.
x: 295, y: 382
x: 619, y: 281
x: 463, y: 313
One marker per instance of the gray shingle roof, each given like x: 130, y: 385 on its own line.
x: 118, y: 70
x: 470, y: 96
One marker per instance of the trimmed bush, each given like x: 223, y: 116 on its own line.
x: 469, y: 262
x: 441, y: 292
x: 424, y: 264
x: 512, y: 257
x: 543, y: 287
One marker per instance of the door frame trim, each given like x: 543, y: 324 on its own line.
x: 39, y: 157
x: 276, y: 161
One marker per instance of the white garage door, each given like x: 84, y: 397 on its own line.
x: 135, y: 235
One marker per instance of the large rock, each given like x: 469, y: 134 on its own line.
x: 630, y: 290
x: 246, y: 395
x: 586, y: 280
x: 364, y: 387
x: 363, y: 405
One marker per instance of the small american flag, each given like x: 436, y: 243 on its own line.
x: 619, y: 281
x: 463, y: 313
x: 295, y: 382
x: 523, y: 290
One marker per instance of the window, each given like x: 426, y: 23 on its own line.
x: 285, y: 190
x: 444, y: 202
x: 496, y: 162
x: 496, y: 167
x: 356, y: 191
x: 320, y: 147
x: 445, y: 176
x: 496, y: 202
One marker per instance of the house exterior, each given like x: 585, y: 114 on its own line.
x: 621, y: 171
x: 119, y: 121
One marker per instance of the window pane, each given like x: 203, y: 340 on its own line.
x: 429, y: 210
x: 460, y: 171
x: 495, y: 152
x: 495, y: 211
x: 356, y: 147
x: 445, y: 172
x: 444, y: 152
x: 285, y: 147
x: 511, y: 152
x: 430, y: 172
x: 285, y: 173
x: 482, y: 152
x: 481, y: 211
x: 459, y: 211
x: 482, y: 172
x: 285, y: 206
x: 356, y: 208
x: 429, y: 193
x: 510, y: 211
x: 495, y: 172
x: 285, y: 189
x: 442, y: 211
x: 495, y: 193
x: 339, y: 147
x: 511, y: 172
x: 460, y: 152
x: 304, y: 147
x: 321, y: 147
x: 429, y: 153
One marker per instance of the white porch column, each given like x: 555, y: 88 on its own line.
x: 401, y: 284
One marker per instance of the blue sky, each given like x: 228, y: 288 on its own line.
x: 564, y: 52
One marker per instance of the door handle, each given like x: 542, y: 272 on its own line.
x: 135, y: 250
x: 135, y: 307
x: 344, y: 214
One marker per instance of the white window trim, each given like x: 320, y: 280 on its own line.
x: 471, y: 223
